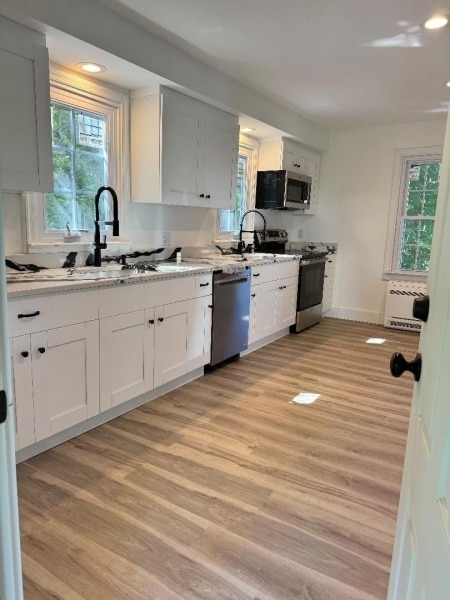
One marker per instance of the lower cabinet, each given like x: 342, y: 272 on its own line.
x: 56, y: 380
x: 327, y: 297
x: 147, y: 348
x: 272, y: 307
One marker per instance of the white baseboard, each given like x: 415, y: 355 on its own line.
x: 352, y: 314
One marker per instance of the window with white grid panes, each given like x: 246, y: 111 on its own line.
x: 416, y: 224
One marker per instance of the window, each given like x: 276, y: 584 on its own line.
x: 89, y: 136
x: 413, y: 210
x: 80, y: 167
x: 230, y: 220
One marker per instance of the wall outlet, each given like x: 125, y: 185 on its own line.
x: 165, y: 239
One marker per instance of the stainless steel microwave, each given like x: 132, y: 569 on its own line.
x: 282, y: 189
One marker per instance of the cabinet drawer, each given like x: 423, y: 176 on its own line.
x: 203, y: 285
x: 48, y: 311
x: 126, y: 298
x: 275, y: 271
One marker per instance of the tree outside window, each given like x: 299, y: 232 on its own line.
x: 80, y: 167
x: 418, y: 214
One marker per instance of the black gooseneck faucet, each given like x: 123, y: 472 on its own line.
x: 241, y: 230
x: 97, y: 245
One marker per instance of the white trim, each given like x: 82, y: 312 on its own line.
x: 104, y: 417
x: 393, y: 237
x: 352, y: 314
x: 114, y: 104
x: 249, y: 147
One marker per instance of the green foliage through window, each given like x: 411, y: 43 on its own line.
x: 418, y: 215
x: 80, y: 167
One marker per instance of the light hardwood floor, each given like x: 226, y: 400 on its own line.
x: 226, y: 490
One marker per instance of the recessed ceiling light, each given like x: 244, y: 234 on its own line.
x: 436, y: 22
x: 448, y: 84
x: 247, y: 129
x: 92, y: 67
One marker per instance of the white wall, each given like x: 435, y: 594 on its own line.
x: 354, y: 197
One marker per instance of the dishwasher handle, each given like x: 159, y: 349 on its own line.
x: 234, y: 280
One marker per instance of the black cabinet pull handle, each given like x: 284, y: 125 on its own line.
x: 202, y: 195
x: 208, y: 196
x: 160, y: 319
x: 204, y: 284
x: 25, y: 316
x: 151, y: 321
x: 421, y: 308
x: 210, y: 305
x: 256, y: 274
x: 253, y: 295
x: 399, y: 365
x: 41, y: 350
x: 25, y: 354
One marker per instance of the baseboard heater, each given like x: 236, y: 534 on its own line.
x: 400, y: 296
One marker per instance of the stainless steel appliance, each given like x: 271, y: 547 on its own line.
x: 231, y: 314
x: 310, y: 284
x: 282, y: 190
x: 271, y: 240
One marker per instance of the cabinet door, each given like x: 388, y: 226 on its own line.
x: 267, y: 317
x: 171, y: 331
x: 286, y: 302
x: 295, y: 158
x: 254, y: 333
x: 24, y: 110
x: 23, y: 391
x: 313, y: 172
x: 65, y: 366
x: 126, y: 359
x: 199, y: 333
x: 221, y: 133
x: 182, y: 157
x: 328, y: 285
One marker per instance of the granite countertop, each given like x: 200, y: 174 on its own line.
x: 61, y: 280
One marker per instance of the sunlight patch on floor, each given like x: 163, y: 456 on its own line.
x: 375, y: 341
x: 304, y: 398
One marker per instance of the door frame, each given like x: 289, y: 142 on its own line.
x: 10, y: 556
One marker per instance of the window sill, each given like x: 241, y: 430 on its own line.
x: 59, y: 246
x: 405, y: 276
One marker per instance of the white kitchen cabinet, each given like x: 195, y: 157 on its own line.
x: 273, y: 299
x: 25, y: 139
x: 328, y: 283
x: 183, y: 152
x: 126, y: 360
x: 152, y: 333
x: 287, y: 154
x: 56, y: 380
x: 55, y: 362
x: 199, y: 332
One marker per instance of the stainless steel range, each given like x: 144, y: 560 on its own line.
x: 310, y: 283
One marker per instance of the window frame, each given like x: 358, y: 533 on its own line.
x: 73, y: 90
x: 403, y: 158
x: 247, y: 147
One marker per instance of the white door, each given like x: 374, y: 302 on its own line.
x: 286, y: 302
x: 171, y: 327
x: 10, y: 560
x: 421, y: 561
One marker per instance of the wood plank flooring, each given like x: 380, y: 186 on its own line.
x: 226, y: 490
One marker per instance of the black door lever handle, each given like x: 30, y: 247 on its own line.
x: 399, y: 365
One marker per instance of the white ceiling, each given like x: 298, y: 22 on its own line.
x: 342, y: 63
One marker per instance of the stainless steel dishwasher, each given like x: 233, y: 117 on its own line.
x: 230, y: 317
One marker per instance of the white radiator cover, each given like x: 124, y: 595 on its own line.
x: 400, y: 296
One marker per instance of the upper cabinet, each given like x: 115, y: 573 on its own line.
x: 286, y: 154
x: 25, y: 128
x: 183, y: 152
